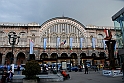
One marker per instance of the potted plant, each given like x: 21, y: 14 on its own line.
x: 32, y: 68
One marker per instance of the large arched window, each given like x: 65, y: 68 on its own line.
x: 64, y: 28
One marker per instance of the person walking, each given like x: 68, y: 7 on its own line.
x: 18, y: 69
x: 80, y: 68
x: 99, y: 67
x: 96, y: 68
x: 86, y: 69
x: 10, y: 76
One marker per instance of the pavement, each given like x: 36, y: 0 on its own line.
x: 92, y: 77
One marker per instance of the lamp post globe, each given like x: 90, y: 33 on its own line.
x: 13, y: 40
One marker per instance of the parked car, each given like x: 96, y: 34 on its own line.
x: 93, y: 67
x: 75, y: 68
x: 1, y: 68
x: 22, y: 68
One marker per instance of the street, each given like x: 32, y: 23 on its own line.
x: 92, y: 77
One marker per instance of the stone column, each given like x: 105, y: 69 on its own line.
x: 78, y: 60
x: 15, y: 60
x: 111, y: 44
x: 3, y: 59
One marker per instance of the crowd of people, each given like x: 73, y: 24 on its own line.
x: 7, y: 73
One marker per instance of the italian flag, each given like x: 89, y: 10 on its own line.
x: 107, y: 32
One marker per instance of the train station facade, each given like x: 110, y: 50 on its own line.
x: 56, y: 40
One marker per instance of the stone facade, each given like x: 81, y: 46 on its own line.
x: 63, y: 42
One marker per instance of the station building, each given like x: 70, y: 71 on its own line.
x: 56, y: 40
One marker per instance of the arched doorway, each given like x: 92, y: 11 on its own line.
x: 102, y: 54
x: 21, y: 58
x: 54, y: 56
x: 64, y: 55
x: 82, y: 55
x: 94, y: 62
x: 93, y: 55
x: 44, y: 58
x: 74, y: 60
x: 9, y: 58
x: 31, y: 56
x: 63, y: 58
x: 83, y: 58
x: 73, y: 56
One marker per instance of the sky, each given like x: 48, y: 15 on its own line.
x: 87, y: 12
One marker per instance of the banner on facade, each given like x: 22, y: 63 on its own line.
x: 81, y: 42
x: 45, y: 42
x: 58, y: 42
x: 31, y: 46
x: 93, y: 42
x: 71, y: 40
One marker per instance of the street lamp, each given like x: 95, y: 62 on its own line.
x: 12, y: 41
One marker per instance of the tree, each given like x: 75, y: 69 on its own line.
x: 32, y: 68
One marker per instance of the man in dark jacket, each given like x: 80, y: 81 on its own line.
x: 86, y: 69
x: 10, y: 75
x: 18, y: 69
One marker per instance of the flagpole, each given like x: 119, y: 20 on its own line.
x: 29, y: 46
x: 29, y: 50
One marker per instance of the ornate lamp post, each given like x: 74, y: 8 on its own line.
x: 12, y: 41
